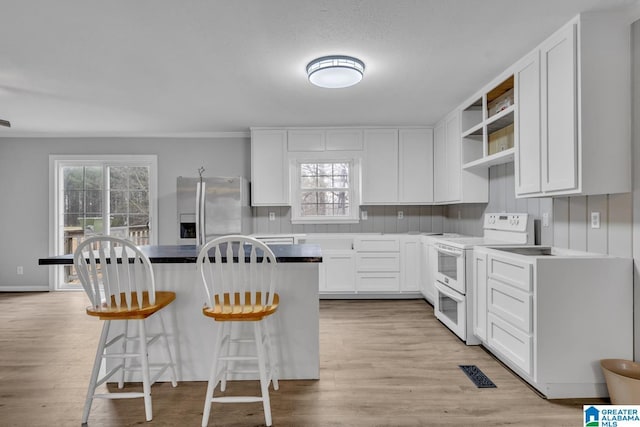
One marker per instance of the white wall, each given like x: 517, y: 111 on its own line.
x: 24, y: 188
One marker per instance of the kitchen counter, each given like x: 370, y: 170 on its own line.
x: 187, y: 254
x: 296, y: 324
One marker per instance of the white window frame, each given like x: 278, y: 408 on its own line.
x: 56, y: 162
x: 354, y: 191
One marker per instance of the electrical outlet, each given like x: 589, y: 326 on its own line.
x: 545, y: 219
x: 272, y: 216
x: 595, y: 219
x: 20, y: 270
x: 400, y: 214
x: 363, y: 215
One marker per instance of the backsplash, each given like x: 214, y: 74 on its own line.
x: 380, y: 219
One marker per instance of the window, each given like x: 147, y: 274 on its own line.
x: 110, y: 195
x: 325, y: 192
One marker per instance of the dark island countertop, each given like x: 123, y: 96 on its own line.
x: 185, y: 254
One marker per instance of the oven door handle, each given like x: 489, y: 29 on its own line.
x: 448, y: 251
x: 451, y: 294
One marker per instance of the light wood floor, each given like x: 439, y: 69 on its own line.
x: 383, y: 363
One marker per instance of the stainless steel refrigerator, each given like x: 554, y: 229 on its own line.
x: 212, y: 207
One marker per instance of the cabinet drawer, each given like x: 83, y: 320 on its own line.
x: 510, y: 343
x: 510, y: 271
x: 512, y: 304
x: 378, y: 261
x: 376, y: 244
x: 378, y: 282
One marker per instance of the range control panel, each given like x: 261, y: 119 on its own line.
x: 506, y: 221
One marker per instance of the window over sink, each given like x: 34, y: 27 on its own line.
x: 325, y: 191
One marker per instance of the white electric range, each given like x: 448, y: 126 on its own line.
x: 452, y: 272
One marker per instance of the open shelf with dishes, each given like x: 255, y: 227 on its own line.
x: 487, y: 127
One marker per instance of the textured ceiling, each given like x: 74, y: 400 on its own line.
x: 169, y: 67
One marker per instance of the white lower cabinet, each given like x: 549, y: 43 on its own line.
x: 543, y: 316
x: 377, y: 263
x: 337, y: 272
x: 510, y: 342
x: 480, y: 295
x: 507, y: 287
x: 410, y: 257
x: 368, y: 265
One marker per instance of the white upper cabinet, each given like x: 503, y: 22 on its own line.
x: 527, y: 138
x: 343, y: 140
x: 559, y: 138
x: 415, y: 174
x: 380, y: 166
x: 452, y: 155
x: 439, y: 163
x: 397, y: 166
x: 305, y: 140
x: 321, y: 139
x: 269, y: 169
x: 573, y: 103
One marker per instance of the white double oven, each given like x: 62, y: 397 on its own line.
x: 452, y: 273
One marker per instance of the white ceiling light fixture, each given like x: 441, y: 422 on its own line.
x: 335, y: 71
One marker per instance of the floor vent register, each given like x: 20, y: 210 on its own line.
x: 477, y: 376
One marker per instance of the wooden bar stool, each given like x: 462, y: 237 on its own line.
x: 122, y: 287
x: 239, y: 273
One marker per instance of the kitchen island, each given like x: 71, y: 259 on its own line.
x: 192, y: 335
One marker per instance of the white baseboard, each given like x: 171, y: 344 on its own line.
x: 34, y: 288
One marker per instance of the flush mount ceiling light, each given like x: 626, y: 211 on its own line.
x: 335, y: 71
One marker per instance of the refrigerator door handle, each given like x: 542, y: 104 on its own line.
x: 198, y: 213
x: 203, y: 213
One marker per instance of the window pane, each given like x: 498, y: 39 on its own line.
x: 325, y: 169
x: 73, y: 201
x: 73, y: 177
x: 138, y: 220
x: 325, y: 197
x: 309, y: 197
x: 139, y: 178
x: 138, y: 202
x: 118, y: 178
x: 342, y: 210
x: 325, y: 209
x: 119, y: 202
x: 341, y: 181
x: 93, y: 202
x: 308, y: 182
x: 73, y: 221
x: 341, y: 168
x: 93, y: 177
x: 309, y: 210
x: 324, y: 182
x: 118, y: 221
x: 308, y: 169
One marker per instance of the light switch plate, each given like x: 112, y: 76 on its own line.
x: 595, y: 219
x: 363, y: 215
